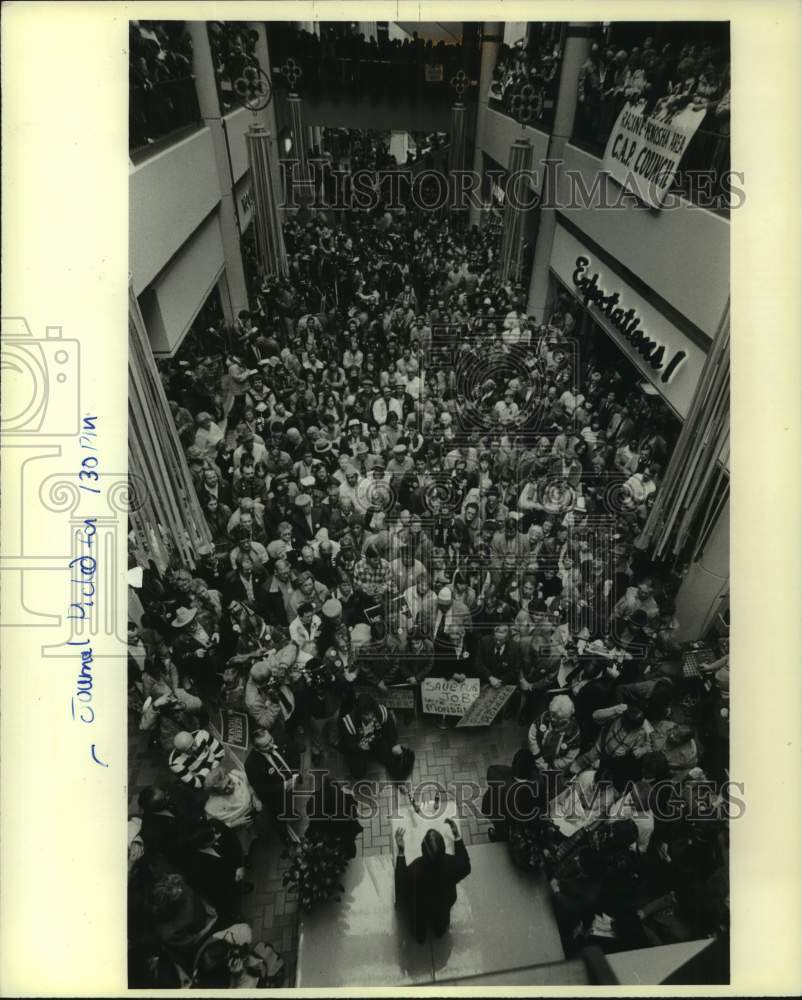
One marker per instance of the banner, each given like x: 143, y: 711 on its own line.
x: 442, y: 697
x: 434, y: 73
x: 644, y: 152
x: 396, y: 697
x: 487, y: 706
x: 233, y: 729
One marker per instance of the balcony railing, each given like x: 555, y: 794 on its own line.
x: 161, y: 109
x: 701, y: 176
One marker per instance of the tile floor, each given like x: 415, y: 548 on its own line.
x: 442, y: 756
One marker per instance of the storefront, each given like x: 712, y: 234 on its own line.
x: 625, y: 325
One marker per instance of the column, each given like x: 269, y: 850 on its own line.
x: 575, y: 52
x: 299, y: 148
x: 208, y: 101
x: 707, y: 581
x: 492, y: 34
x: 268, y: 115
x: 168, y: 522
x: 456, y: 162
x: 267, y: 220
x: 518, y: 196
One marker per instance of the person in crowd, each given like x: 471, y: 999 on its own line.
x: 194, y: 756
x: 368, y: 732
x: 427, y: 889
x: 273, y: 774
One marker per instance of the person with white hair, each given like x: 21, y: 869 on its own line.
x: 554, y: 736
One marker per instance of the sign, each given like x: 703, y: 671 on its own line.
x: 487, y: 706
x: 626, y: 321
x: 396, y: 698
x: 616, y: 317
x: 442, y: 697
x: 243, y: 198
x: 644, y: 151
x: 233, y: 729
x: 433, y: 73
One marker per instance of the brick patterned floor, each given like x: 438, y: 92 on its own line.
x: 442, y: 756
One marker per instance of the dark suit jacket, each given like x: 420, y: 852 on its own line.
x: 487, y: 664
x: 213, y: 876
x: 320, y: 519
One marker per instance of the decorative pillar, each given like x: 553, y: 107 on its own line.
x: 518, y: 194
x: 167, y: 522
x: 267, y: 220
x: 492, y: 36
x: 209, y: 103
x: 576, y: 49
x: 299, y: 137
x: 456, y: 150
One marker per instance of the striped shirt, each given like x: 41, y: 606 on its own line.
x: 193, y: 765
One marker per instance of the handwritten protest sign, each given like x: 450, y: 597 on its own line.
x: 444, y: 697
x: 644, y: 151
x: 396, y: 697
x: 487, y: 706
x: 233, y: 729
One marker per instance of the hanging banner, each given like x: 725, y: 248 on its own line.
x: 644, y: 151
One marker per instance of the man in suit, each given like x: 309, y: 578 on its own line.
x: 273, y: 774
x: 308, y: 518
x: 213, y: 866
x: 427, y: 889
x: 498, y: 658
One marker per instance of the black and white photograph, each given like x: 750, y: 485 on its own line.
x: 390, y: 647
x: 429, y: 647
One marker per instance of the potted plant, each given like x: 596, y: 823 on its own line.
x: 315, y: 871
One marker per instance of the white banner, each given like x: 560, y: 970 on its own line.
x: 644, y: 152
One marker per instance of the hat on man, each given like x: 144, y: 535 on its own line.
x: 303, y: 500
x: 444, y: 596
x: 277, y: 549
x: 308, y: 482
x: 183, y: 616
x: 400, y: 449
x: 355, y: 520
x: 353, y: 422
x: 332, y: 608
x: 203, y: 416
x: 322, y: 446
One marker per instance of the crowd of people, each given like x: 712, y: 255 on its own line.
x: 162, y: 87
x: 405, y: 475
x: 345, y: 63
x: 667, y: 80
x: 525, y: 83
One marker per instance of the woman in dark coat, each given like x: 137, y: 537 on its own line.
x: 427, y: 889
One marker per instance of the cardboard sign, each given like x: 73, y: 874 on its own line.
x: 487, y: 706
x: 445, y: 697
x: 233, y: 728
x: 396, y: 697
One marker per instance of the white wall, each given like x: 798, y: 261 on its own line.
x: 175, y: 298
x: 694, y: 280
x: 169, y: 195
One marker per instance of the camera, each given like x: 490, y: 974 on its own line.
x: 41, y: 381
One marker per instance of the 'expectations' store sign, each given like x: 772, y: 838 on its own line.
x: 664, y: 353
x: 626, y: 321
